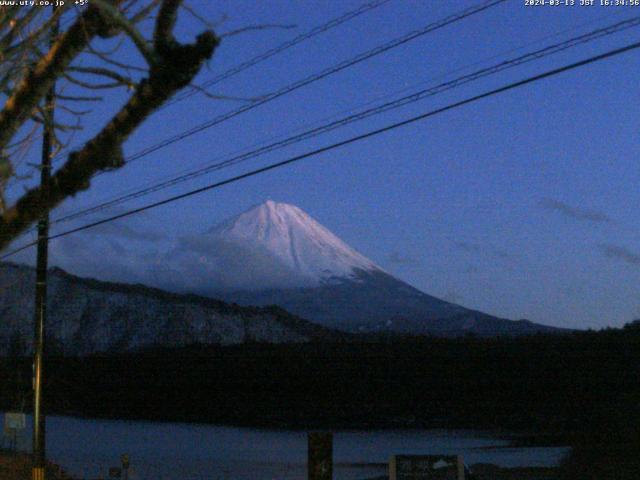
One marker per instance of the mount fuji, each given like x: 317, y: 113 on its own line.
x: 276, y: 254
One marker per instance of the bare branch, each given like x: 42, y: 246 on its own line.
x: 106, y: 58
x: 24, y: 139
x: 104, y: 72
x: 7, y: 12
x: 221, y: 21
x: 215, y: 96
x: 16, y: 28
x: 129, y: 28
x: 144, y: 12
x: 72, y: 98
x: 7, y: 17
x: 178, y: 64
x: 67, y: 128
x: 77, y: 113
x: 128, y: 5
x: 197, y: 16
x: 94, y: 86
x: 167, y: 16
x: 59, y: 144
x: 32, y: 39
x: 107, y: 53
x: 37, y: 82
x: 57, y: 126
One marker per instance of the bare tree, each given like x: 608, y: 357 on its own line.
x: 30, y: 63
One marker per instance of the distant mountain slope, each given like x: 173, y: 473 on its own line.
x: 295, y: 239
x: 377, y: 302
x: 273, y: 245
x: 272, y: 254
x: 89, y: 316
x: 275, y: 253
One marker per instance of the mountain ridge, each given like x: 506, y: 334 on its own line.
x: 295, y: 238
x: 380, y: 303
x: 91, y: 316
x: 317, y: 276
x: 283, y: 256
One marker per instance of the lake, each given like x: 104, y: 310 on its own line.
x: 87, y: 448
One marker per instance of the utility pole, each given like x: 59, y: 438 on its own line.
x: 40, y: 316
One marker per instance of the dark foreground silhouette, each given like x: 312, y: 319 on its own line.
x: 580, y: 389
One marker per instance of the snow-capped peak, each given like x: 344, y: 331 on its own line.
x: 296, y: 240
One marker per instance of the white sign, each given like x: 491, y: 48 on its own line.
x: 426, y: 467
x: 14, y: 421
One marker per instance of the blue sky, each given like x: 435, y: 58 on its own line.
x: 521, y: 205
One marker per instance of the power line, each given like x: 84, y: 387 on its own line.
x: 284, y: 46
x: 317, y: 30
x: 312, y: 153
x: 142, y: 153
x: 412, y: 98
x: 452, y: 18
x: 134, y: 191
x: 455, y: 17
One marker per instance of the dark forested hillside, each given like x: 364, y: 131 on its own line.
x: 557, y: 384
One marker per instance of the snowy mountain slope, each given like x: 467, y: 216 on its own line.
x: 273, y: 254
x: 89, y: 316
x: 270, y: 246
x: 378, y: 302
x: 276, y: 254
x: 295, y: 239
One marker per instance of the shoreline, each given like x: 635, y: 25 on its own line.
x: 17, y: 466
x: 515, y: 438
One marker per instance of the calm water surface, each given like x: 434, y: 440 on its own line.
x: 87, y: 448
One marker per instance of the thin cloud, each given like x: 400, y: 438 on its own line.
x: 122, y: 230
x: 398, y: 258
x: 575, y: 213
x: 621, y: 253
x: 206, y: 264
x: 126, y: 229
x: 452, y: 297
x: 478, y: 249
x: 470, y: 269
x: 467, y: 246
